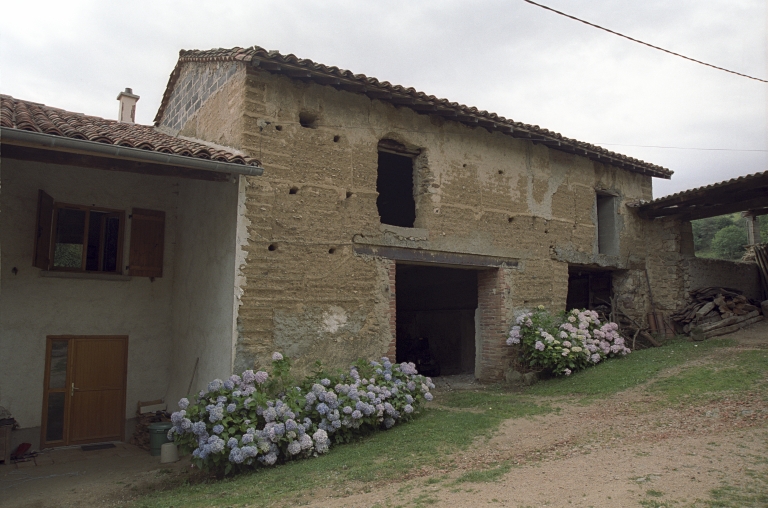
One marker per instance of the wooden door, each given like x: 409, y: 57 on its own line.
x: 91, y: 405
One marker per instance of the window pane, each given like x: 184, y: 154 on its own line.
x: 54, y: 429
x: 58, y: 379
x: 95, y: 224
x: 111, y: 232
x: 70, y: 229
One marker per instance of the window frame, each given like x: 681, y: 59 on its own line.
x: 83, y: 263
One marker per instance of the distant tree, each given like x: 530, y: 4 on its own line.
x: 704, y: 230
x: 729, y: 242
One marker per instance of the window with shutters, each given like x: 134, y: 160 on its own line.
x: 79, y: 238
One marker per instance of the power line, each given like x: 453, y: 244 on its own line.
x: 641, y: 42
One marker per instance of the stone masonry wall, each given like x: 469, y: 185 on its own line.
x: 308, y: 294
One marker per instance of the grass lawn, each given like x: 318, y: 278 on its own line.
x: 455, y: 420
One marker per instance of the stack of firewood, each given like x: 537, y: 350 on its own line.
x: 714, y: 311
x: 140, y: 435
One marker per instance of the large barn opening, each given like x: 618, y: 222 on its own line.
x: 436, y: 319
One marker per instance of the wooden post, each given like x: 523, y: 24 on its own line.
x: 753, y: 229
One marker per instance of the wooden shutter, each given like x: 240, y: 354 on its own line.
x: 147, y: 241
x: 42, y: 253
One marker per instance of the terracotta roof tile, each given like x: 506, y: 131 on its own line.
x: 273, y: 61
x: 31, y: 116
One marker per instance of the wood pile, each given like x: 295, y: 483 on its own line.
x: 140, y: 435
x: 714, y: 311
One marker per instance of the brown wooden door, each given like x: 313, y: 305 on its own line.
x: 94, y: 399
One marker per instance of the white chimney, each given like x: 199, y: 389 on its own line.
x: 128, y: 100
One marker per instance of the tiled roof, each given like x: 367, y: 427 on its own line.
x: 303, y: 69
x: 34, y: 117
x: 748, y: 192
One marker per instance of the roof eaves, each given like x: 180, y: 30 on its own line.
x: 296, y: 68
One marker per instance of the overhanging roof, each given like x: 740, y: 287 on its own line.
x: 307, y: 70
x: 742, y: 194
x: 32, y: 131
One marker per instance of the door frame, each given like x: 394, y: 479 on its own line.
x: 68, y: 394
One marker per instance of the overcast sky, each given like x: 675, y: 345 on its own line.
x: 504, y: 56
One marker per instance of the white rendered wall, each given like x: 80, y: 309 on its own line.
x: 33, y: 307
x: 203, y: 302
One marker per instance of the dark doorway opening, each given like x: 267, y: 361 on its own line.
x: 588, y: 289
x: 436, y: 319
x: 394, y: 183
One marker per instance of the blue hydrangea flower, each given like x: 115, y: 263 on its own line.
x: 408, y: 409
x: 228, y: 385
x: 214, y: 385
x: 247, y: 438
x: 270, y: 415
x: 184, y: 403
x: 428, y: 396
x: 389, y: 422
x: 408, y: 399
x: 276, y: 357
x: 218, y: 429
x: 294, y: 447
x: 290, y: 425
x: 232, y: 442
x: 325, y: 382
x: 269, y: 459
x: 322, y: 408
x: 215, y: 444
x: 198, y: 428
x: 231, y: 408
x: 357, y: 414
x: 216, y: 413
x: 236, y: 456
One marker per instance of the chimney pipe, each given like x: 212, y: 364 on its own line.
x: 128, y: 100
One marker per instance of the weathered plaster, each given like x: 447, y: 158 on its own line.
x: 476, y: 192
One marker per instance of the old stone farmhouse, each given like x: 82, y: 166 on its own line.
x: 140, y: 262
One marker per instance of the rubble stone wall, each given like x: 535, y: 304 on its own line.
x: 719, y: 272
x: 309, y: 294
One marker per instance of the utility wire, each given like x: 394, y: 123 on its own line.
x: 641, y: 42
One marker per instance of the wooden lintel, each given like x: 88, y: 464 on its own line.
x: 426, y: 257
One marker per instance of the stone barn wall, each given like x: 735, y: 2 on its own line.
x: 309, y: 290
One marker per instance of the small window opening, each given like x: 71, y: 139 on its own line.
x: 332, y: 250
x: 607, y: 232
x: 278, y: 127
x: 336, y: 138
x: 307, y: 119
x: 394, y: 184
x: 293, y: 190
x: 589, y: 289
x: 272, y: 247
x: 349, y: 194
x: 501, y: 171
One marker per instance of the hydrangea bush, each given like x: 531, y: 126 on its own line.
x: 566, y: 343
x: 261, y: 419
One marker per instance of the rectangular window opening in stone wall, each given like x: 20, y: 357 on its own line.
x: 607, y: 230
x: 394, y: 183
x: 589, y: 289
